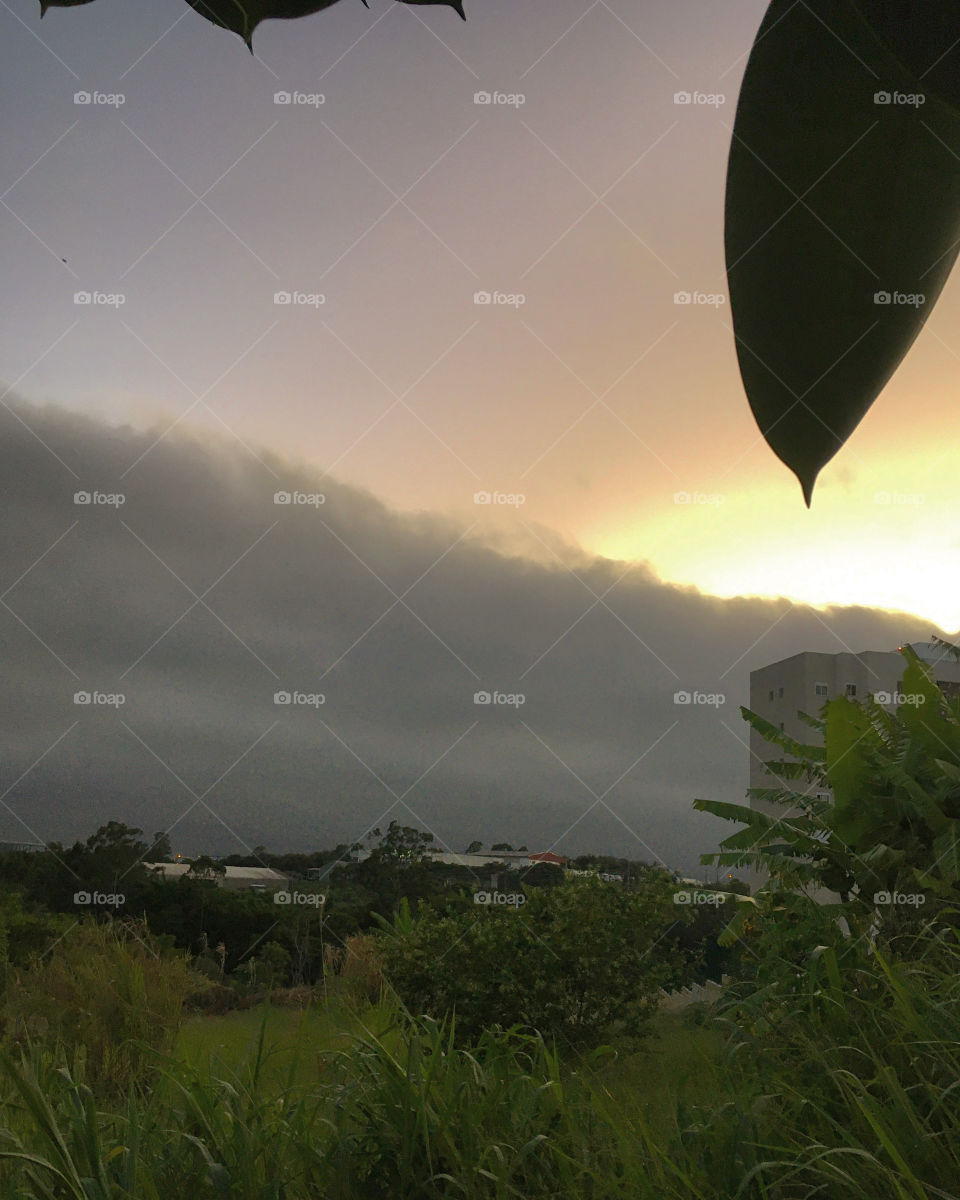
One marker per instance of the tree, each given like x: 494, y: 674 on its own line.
x: 161, y: 850
x: 207, y: 868
x: 570, y: 961
x: 501, y: 846
x: 474, y: 848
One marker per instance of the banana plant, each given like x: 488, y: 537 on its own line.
x: 243, y: 16
x: 892, y: 823
x: 842, y: 217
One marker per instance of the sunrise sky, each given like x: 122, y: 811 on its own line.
x: 150, y: 167
x: 397, y: 199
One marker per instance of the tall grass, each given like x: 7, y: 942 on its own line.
x: 106, y: 997
x: 843, y: 1086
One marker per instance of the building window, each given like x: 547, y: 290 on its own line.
x: 851, y: 689
x: 781, y: 693
x: 781, y: 727
x: 821, y: 689
x: 823, y: 795
x: 771, y: 693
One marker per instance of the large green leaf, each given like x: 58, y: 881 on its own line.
x: 849, y: 733
x: 835, y: 198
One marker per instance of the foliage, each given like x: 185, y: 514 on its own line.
x: 106, y: 996
x: 569, y: 961
x: 892, y: 827
x: 243, y: 17
x: 843, y: 194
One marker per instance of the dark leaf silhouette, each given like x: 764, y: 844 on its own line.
x: 842, y: 209
x: 45, y: 4
x: 243, y: 16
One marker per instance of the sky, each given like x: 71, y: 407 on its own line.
x: 353, y: 169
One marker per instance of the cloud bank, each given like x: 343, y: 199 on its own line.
x: 197, y: 598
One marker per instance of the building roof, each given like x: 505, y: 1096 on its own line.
x: 548, y: 857
x: 251, y: 874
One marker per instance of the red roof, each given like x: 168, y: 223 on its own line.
x: 548, y: 857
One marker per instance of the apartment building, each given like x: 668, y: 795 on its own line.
x: 804, y: 682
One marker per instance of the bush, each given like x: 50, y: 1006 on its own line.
x: 107, y: 997
x: 571, y: 961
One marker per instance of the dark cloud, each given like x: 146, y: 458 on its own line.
x: 199, y: 598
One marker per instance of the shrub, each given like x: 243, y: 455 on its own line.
x: 107, y: 997
x: 571, y: 961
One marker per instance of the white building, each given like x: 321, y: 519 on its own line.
x: 804, y: 682
x: 235, y: 879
